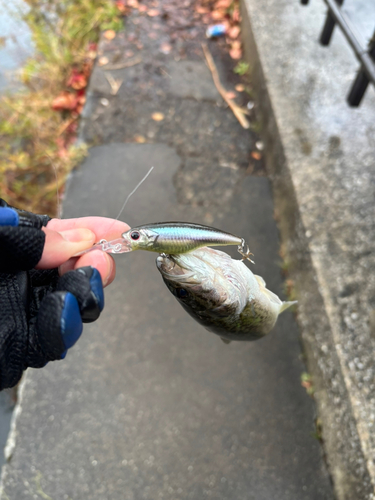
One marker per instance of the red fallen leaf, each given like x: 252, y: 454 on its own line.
x: 77, y: 80
x: 61, y: 149
x: 64, y: 101
x: 121, y: 6
x: 92, y: 46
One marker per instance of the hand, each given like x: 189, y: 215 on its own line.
x: 45, y: 292
x: 66, y: 237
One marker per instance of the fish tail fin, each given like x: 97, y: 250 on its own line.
x: 286, y: 305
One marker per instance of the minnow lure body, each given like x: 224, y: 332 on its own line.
x: 177, y: 237
x: 172, y: 238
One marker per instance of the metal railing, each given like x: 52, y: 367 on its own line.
x: 366, y: 56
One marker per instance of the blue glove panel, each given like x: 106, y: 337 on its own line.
x: 71, y: 322
x: 8, y: 217
x: 86, y: 285
x: 96, y: 285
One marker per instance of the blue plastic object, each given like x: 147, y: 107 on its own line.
x: 216, y: 30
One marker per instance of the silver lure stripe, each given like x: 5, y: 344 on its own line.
x: 181, y: 237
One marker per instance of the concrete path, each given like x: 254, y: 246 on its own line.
x: 149, y: 405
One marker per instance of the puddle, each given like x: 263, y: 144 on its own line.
x: 16, y: 44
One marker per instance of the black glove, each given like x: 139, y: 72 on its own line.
x: 41, y: 314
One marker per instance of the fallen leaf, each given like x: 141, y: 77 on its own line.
x: 158, y: 117
x: 103, y: 60
x: 77, y: 80
x: 217, y: 15
x: 121, y: 6
x: 153, y: 13
x: 202, y: 10
x: 234, y: 31
x: 239, y: 87
x: 235, y: 53
x: 223, y: 4
x: 133, y: 3
x: 109, y: 34
x: 236, y: 45
x: 142, y: 8
x: 231, y: 95
x: 64, y: 101
x: 139, y: 138
x: 236, y: 16
x: 256, y: 155
x: 92, y: 46
x: 165, y: 48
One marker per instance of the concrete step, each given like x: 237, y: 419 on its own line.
x: 320, y: 154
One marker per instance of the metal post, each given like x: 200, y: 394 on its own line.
x: 361, y: 82
x: 326, y: 34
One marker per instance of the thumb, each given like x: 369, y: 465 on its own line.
x: 60, y: 246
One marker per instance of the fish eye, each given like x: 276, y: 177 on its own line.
x: 181, y: 293
x: 135, y: 235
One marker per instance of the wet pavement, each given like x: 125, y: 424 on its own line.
x: 148, y: 404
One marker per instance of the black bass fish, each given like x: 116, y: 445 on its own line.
x: 221, y: 293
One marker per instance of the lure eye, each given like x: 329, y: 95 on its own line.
x: 181, y: 293
x: 135, y: 235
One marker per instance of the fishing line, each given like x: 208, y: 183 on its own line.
x: 134, y: 190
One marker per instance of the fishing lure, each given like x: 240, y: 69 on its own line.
x: 169, y: 238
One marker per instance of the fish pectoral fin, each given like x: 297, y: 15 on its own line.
x: 226, y: 341
x: 287, y: 304
x: 260, y: 280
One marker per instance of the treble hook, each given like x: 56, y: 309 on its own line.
x: 245, y: 253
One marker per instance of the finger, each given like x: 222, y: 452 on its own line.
x: 103, y: 227
x: 61, y: 246
x: 101, y: 261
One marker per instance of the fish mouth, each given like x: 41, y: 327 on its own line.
x: 171, y: 268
